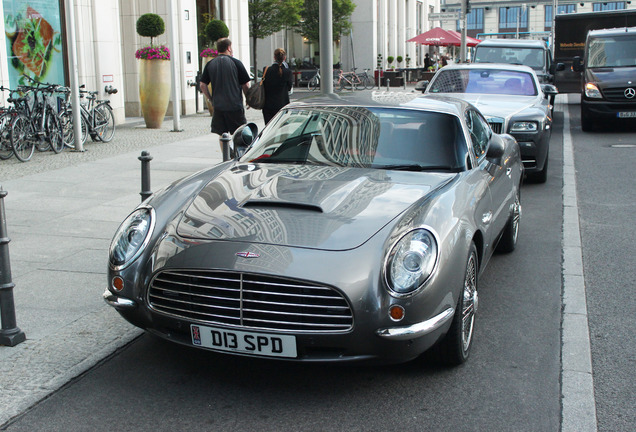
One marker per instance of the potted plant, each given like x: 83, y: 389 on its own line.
x: 399, y: 60
x: 389, y: 60
x: 408, y: 61
x: 215, y: 29
x: 154, y: 71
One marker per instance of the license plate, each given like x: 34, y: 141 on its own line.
x: 262, y: 344
x: 628, y: 114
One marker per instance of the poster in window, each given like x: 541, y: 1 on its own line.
x: 33, y: 41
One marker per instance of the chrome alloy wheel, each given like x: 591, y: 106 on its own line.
x: 516, y: 217
x: 469, y: 305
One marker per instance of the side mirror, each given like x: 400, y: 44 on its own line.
x: 243, y: 137
x: 421, y: 86
x: 549, y: 90
x: 577, y: 64
x: 496, y: 149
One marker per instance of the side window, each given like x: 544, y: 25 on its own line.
x: 479, y: 132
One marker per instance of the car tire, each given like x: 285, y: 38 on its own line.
x: 541, y: 176
x: 454, y: 348
x: 508, y: 241
x: 587, y: 122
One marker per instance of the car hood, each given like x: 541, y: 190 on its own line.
x: 318, y: 207
x: 500, y: 105
x: 612, y: 77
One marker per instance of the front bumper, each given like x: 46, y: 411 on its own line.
x: 606, y: 109
x: 390, y: 344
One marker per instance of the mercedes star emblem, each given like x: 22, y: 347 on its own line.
x: 630, y: 93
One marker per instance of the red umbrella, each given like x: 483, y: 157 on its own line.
x: 439, y: 37
x: 470, y: 41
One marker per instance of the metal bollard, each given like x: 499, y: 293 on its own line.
x: 388, y: 84
x: 225, y: 145
x: 10, y: 335
x: 145, y: 159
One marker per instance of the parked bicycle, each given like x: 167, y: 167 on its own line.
x: 97, y: 118
x: 353, y: 81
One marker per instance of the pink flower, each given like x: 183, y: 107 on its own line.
x: 160, y: 52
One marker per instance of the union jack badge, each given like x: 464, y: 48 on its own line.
x: 196, y: 335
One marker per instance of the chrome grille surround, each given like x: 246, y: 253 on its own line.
x: 249, y: 300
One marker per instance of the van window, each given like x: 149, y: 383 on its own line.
x: 612, y: 51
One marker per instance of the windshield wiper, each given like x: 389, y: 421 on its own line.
x: 414, y: 167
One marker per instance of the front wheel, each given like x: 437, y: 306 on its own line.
x: 54, y: 132
x: 314, y: 83
x: 508, y: 241
x: 368, y: 83
x: 454, y: 348
x: 22, y: 138
x: 6, y: 151
x: 104, y: 122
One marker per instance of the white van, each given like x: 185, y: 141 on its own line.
x: 533, y: 53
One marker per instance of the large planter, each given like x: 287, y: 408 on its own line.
x: 154, y: 90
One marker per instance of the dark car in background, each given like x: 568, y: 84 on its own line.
x: 512, y: 100
x: 608, y: 79
x: 346, y: 231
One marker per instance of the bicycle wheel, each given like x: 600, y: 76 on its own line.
x: 104, y: 122
x: 68, y: 133
x: 346, y: 84
x: 22, y: 138
x: 39, y: 138
x: 54, y: 132
x: 6, y: 151
x: 368, y: 82
x: 314, y: 83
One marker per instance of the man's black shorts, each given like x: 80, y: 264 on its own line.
x: 227, y: 121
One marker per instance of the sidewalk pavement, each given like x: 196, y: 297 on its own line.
x: 61, y: 212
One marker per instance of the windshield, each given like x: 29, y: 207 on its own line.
x: 532, y: 57
x: 488, y: 81
x: 385, y: 138
x: 612, y: 51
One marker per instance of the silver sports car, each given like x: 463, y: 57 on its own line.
x: 513, y: 101
x: 344, y: 231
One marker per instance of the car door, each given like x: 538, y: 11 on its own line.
x: 480, y: 178
x: 499, y: 177
x: 501, y: 183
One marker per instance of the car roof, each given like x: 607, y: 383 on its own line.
x: 442, y: 104
x: 613, y: 31
x: 519, y: 43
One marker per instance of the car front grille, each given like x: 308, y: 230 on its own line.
x: 496, y: 124
x: 249, y: 300
x: 617, y: 94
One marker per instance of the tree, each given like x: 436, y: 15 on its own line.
x: 150, y: 25
x: 341, y: 19
x: 268, y: 17
x: 215, y: 30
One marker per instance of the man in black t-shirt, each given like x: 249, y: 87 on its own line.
x: 227, y: 77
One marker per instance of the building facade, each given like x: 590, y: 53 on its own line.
x: 380, y: 27
x: 37, y: 45
x: 525, y: 19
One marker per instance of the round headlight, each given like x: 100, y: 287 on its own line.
x: 524, y: 126
x: 411, y: 261
x: 131, y: 237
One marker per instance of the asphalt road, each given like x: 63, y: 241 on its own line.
x: 510, y: 383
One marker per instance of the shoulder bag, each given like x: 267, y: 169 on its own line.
x: 255, y: 95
